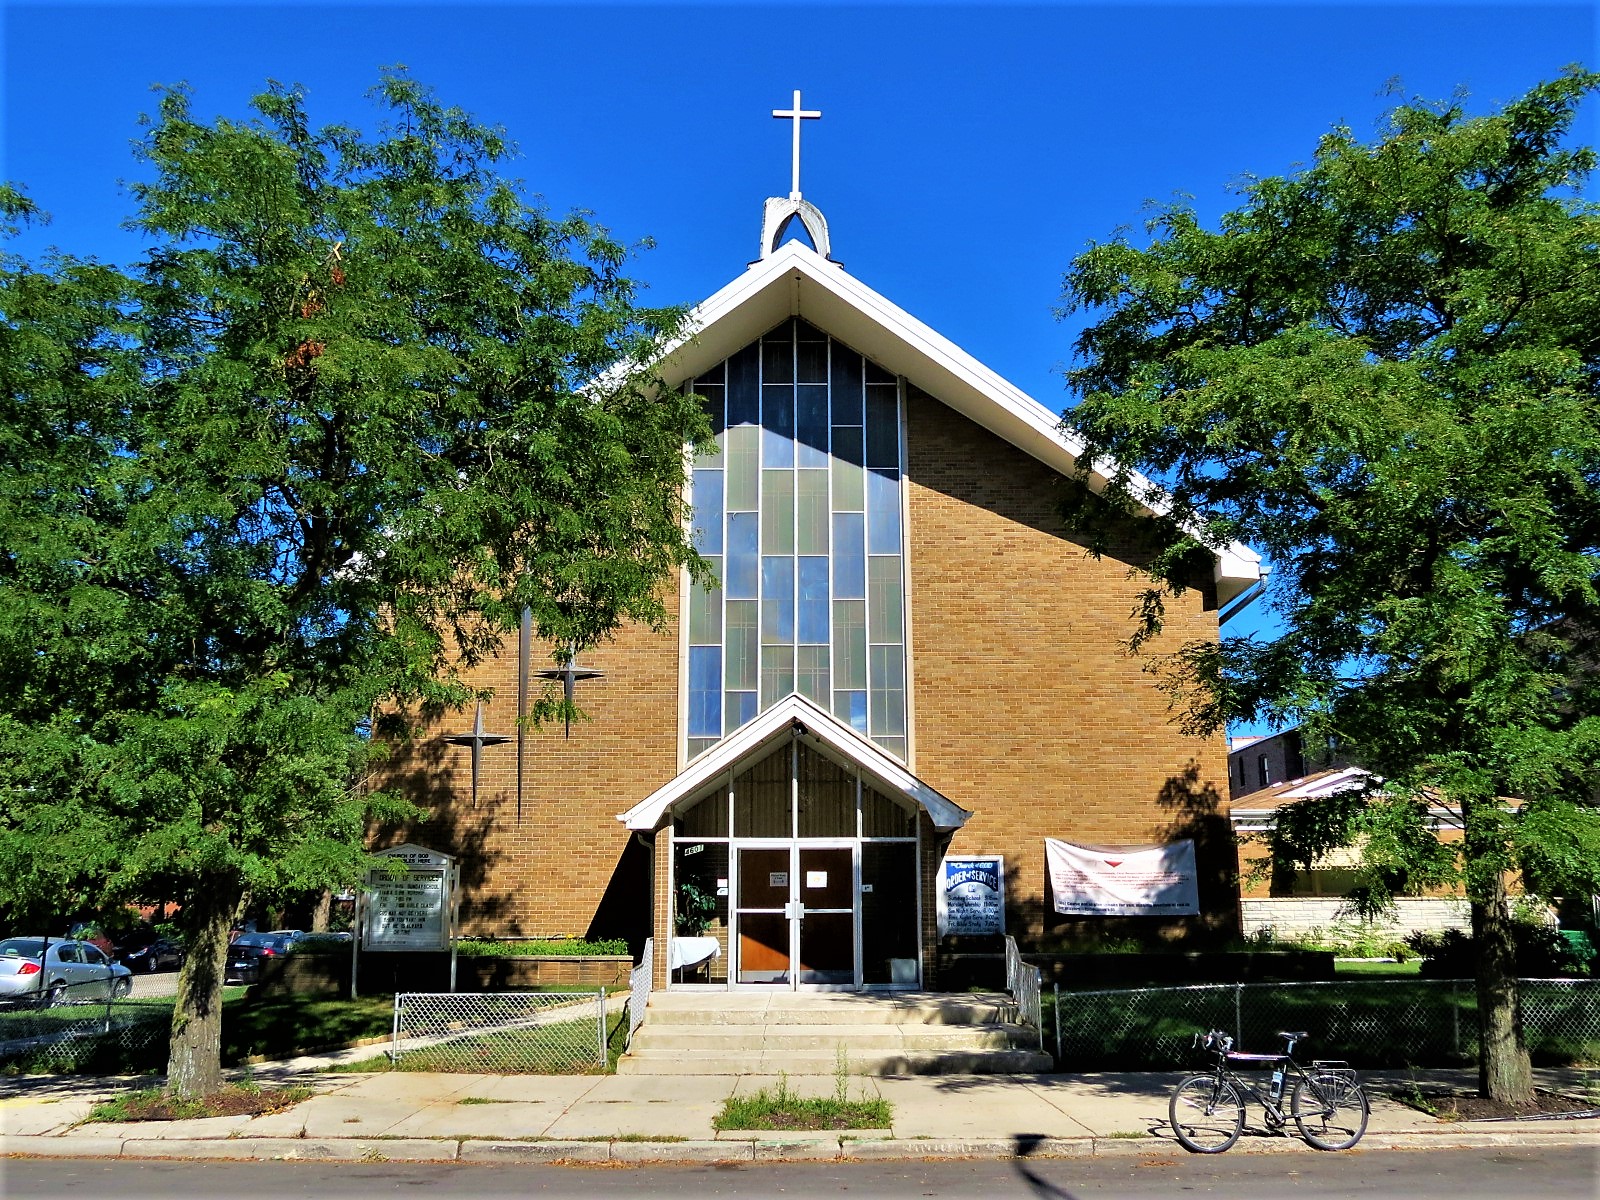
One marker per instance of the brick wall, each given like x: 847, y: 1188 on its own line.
x: 1028, y: 710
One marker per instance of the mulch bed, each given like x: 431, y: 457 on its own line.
x: 229, y: 1102
x: 1468, y: 1106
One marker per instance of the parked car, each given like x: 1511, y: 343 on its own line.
x: 148, y: 954
x: 59, y: 971
x: 247, y: 951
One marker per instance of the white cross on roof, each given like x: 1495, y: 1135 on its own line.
x: 796, y: 114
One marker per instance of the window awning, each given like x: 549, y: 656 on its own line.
x: 794, y: 716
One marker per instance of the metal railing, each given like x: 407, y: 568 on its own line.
x: 1370, y: 1022
x: 511, y: 1033
x: 641, y: 982
x: 1022, y: 982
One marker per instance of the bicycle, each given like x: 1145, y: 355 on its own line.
x: 1327, y: 1102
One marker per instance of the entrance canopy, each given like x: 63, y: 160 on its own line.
x: 794, y: 717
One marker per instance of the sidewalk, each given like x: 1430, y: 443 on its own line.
x: 527, y: 1118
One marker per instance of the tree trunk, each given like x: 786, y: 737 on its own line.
x: 321, y: 913
x: 194, y: 1051
x: 1504, y: 1072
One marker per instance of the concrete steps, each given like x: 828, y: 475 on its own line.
x: 715, y: 1033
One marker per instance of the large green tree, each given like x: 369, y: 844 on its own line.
x: 358, y: 408
x: 1382, y: 372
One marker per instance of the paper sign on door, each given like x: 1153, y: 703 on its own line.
x: 816, y: 879
x: 778, y: 879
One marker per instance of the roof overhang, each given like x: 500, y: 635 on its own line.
x: 797, y: 281
x: 792, y: 717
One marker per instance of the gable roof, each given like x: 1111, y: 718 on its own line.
x: 794, y: 716
x: 797, y: 281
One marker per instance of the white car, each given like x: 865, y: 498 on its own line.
x: 59, y: 971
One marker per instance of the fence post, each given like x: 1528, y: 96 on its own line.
x: 1238, y: 1014
x: 601, y: 996
x: 1057, y: 1005
x: 394, y: 1051
x: 1455, y: 1017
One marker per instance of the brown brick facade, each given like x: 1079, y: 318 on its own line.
x: 1026, y: 711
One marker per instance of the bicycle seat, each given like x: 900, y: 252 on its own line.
x: 1297, y: 1037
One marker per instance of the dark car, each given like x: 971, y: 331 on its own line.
x: 247, y: 951
x: 144, y: 955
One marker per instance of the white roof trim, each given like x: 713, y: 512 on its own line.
x: 796, y: 280
x: 818, y: 725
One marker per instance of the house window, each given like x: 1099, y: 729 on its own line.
x: 798, y: 510
x: 1263, y: 770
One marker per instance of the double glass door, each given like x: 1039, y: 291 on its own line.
x: 796, y: 919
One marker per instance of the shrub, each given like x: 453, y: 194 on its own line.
x: 518, y: 947
x: 1542, y: 953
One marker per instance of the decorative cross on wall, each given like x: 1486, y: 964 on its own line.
x: 477, y: 740
x: 797, y: 114
x: 569, y: 673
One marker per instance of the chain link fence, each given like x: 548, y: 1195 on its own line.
x: 77, y: 1027
x: 508, y: 1033
x: 1372, y: 1023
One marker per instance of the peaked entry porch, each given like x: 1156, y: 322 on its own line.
x: 795, y: 855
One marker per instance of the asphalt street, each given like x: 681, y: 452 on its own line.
x: 1567, y: 1173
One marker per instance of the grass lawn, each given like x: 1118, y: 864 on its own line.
x: 1376, y: 968
x: 560, y: 1048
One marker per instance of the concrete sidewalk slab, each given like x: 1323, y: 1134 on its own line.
x: 981, y: 1106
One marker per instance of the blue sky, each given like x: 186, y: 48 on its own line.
x: 966, y: 151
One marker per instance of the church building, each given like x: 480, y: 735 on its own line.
x: 908, y: 675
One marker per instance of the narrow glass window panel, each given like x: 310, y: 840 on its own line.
x: 777, y: 600
x: 739, y: 709
x: 811, y: 517
x: 847, y: 446
x: 744, y: 466
x: 705, y: 611
x: 850, y: 644
x: 708, y: 511
x: 698, y: 746
x: 844, y: 375
x: 811, y: 425
x: 744, y: 560
x: 813, y: 615
x: 888, y: 691
x: 811, y: 674
x: 777, y: 355
x: 894, y: 745
x: 851, y: 708
x: 883, y: 511
x: 777, y: 426
x: 777, y: 674
x: 883, y: 427
x: 744, y: 387
x: 849, y: 556
x: 712, y: 396
x: 876, y: 374
x: 811, y: 361
x: 741, y: 645
x: 705, y: 691
x: 884, y: 622
x: 777, y: 512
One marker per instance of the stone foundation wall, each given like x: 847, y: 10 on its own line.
x: 1293, y: 917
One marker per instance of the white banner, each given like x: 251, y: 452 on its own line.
x: 1136, y: 881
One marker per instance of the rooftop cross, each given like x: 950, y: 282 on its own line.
x: 796, y: 114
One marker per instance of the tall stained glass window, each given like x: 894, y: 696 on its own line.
x: 798, y: 511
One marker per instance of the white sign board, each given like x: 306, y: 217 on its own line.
x: 1135, y: 881
x: 972, y: 894
x: 413, y: 911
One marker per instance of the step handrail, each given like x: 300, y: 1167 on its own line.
x: 1024, y: 984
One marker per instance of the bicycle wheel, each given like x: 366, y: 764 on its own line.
x: 1206, y: 1114
x: 1331, y: 1110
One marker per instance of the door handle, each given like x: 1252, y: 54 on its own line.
x: 794, y: 910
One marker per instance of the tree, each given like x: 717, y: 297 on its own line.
x: 1382, y: 371
x: 358, y: 409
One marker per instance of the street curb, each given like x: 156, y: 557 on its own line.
x: 774, y: 1149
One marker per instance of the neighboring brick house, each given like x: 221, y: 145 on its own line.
x: 1315, y: 901
x: 910, y: 655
